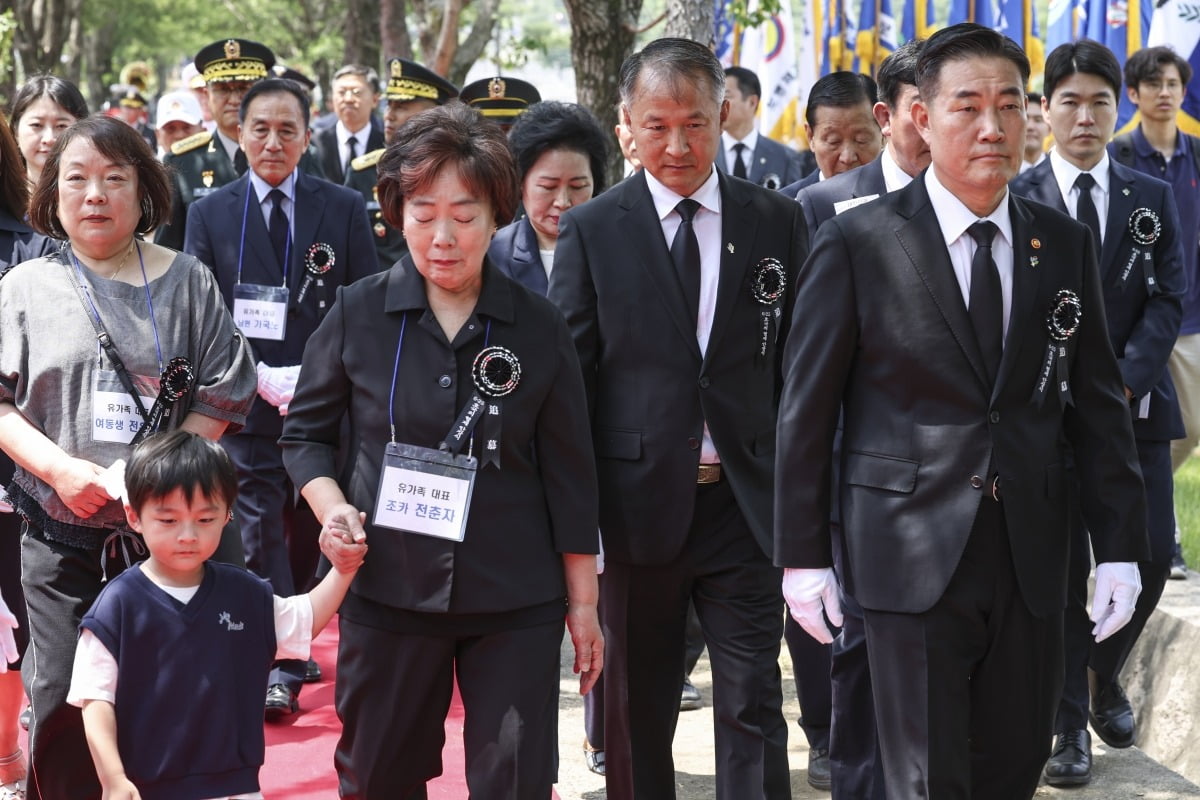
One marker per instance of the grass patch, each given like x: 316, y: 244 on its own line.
x: 1187, y: 510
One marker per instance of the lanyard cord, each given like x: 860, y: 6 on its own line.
x: 287, y: 248
x: 87, y: 292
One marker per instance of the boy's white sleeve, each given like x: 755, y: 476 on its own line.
x: 94, y: 676
x: 293, y: 626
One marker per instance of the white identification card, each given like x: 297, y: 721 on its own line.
x: 260, y: 312
x: 425, y: 491
x: 846, y: 205
x: 115, y: 417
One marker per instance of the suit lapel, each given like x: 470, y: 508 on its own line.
x: 1026, y: 277
x: 309, y: 209
x: 526, y: 260
x: 255, y: 245
x: 870, y: 180
x: 921, y: 238
x: 649, y: 249
x: 1122, y: 199
x: 738, y: 227
x: 1044, y: 188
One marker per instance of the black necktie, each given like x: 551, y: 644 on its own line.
x: 1085, y: 210
x: 278, y: 228
x: 685, y: 252
x: 352, y: 146
x: 739, y: 166
x: 239, y: 161
x: 986, y: 307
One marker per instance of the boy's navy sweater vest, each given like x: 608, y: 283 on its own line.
x: 192, y: 678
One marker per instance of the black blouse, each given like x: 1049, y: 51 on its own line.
x: 540, y: 503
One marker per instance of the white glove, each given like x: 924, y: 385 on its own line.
x: 808, y: 592
x: 113, y: 480
x: 8, y: 644
x: 1118, y: 584
x: 276, y: 385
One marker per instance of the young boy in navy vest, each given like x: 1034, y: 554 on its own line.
x: 173, y: 657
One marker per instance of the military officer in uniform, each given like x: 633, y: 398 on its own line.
x: 500, y: 99
x: 411, y: 89
x: 203, y: 163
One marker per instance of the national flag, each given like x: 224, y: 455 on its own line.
x: 917, y: 21
x: 1121, y: 26
x: 876, y: 37
x: 1018, y: 21
x: 977, y: 11
x: 723, y: 28
x: 770, y: 51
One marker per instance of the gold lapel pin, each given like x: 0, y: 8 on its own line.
x: 729, y: 247
x: 1036, y: 244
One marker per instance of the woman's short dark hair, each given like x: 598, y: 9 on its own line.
x: 551, y: 125
x: 452, y: 135
x: 965, y: 40
x: 14, y: 186
x: 62, y: 92
x: 1146, y: 65
x: 181, y: 460
x: 123, y: 145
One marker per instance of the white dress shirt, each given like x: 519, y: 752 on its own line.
x: 954, y: 218
x: 343, y: 139
x: 728, y: 146
x: 262, y: 191
x: 1065, y: 174
x: 707, y: 225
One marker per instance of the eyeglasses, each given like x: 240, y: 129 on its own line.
x: 349, y: 91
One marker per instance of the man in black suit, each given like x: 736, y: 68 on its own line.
x: 746, y: 152
x: 676, y: 285
x: 856, y: 771
x: 280, y: 242
x: 840, y: 124
x: 1141, y: 269
x: 959, y: 331
x: 357, y: 131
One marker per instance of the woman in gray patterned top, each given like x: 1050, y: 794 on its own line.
x: 71, y: 402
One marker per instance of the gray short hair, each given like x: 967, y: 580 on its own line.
x: 676, y: 61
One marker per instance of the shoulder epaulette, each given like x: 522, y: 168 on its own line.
x: 367, y: 159
x: 191, y: 143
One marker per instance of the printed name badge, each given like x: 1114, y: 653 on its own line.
x: 115, y: 417
x: 425, y: 491
x: 260, y: 312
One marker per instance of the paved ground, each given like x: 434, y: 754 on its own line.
x: 1117, y: 774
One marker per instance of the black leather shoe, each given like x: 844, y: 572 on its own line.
x: 1111, y: 714
x: 1070, y: 763
x: 281, y: 701
x: 819, y: 776
x: 689, y: 697
x: 312, y: 671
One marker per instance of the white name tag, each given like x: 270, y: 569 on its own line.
x: 425, y: 491
x: 115, y: 417
x: 846, y: 205
x: 260, y: 312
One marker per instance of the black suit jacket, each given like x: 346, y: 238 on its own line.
x: 514, y: 250
x: 326, y: 213
x: 650, y: 389
x: 818, y: 199
x: 883, y: 333
x: 326, y: 144
x: 772, y: 165
x: 793, y: 189
x: 1142, y: 328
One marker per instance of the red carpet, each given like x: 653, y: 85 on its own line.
x: 300, y: 752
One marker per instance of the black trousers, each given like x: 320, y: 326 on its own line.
x: 392, y: 694
x: 855, y: 763
x: 272, y: 523
x: 965, y: 692
x: 811, y: 665
x: 736, y: 591
x: 1108, y: 658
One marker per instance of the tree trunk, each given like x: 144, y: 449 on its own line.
x: 42, y: 29
x: 393, y: 30
x: 602, y: 34
x: 447, y: 38
x: 472, y: 47
x: 690, y: 19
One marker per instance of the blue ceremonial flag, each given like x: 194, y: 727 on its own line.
x: 723, y: 33
x: 876, y: 37
x: 1018, y: 21
x: 917, y: 21
x: 978, y: 11
x: 1176, y: 24
x: 1121, y: 26
x: 1065, y: 22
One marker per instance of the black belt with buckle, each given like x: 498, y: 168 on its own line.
x: 708, y: 473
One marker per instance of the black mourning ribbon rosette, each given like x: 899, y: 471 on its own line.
x: 1145, y: 227
x: 1063, y: 321
x: 768, y: 284
x: 317, y: 261
x: 177, y: 379
x: 496, y: 372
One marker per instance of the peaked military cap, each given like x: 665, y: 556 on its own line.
x: 501, y: 99
x: 234, y: 60
x: 408, y: 80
